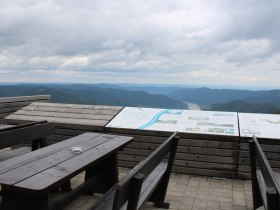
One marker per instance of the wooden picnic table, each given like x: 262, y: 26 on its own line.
x: 28, y: 180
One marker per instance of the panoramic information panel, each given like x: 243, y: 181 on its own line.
x: 260, y: 125
x: 188, y: 121
x: 208, y: 122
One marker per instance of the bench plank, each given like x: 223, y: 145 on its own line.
x: 15, y: 127
x: 9, y: 105
x: 3, y: 126
x: 66, y: 115
x: 149, y: 185
x: 89, y: 110
x: 13, y: 136
x: 262, y: 187
x: 24, y: 98
x: 20, y: 104
x: 57, y: 120
x: 78, y: 106
x: 9, y: 110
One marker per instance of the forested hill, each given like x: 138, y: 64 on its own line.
x: 211, y: 96
x: 87, y: 94
x: 264, y: 101
x: 241, y: 106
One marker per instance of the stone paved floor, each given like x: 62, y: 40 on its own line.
x: 186, y: 192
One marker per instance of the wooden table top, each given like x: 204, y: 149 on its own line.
x: 57, y: 163
x: 72, y: 116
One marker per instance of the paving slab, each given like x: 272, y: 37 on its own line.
x: 186, y: 192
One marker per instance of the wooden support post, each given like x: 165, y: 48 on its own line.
x: 257, y: 200
x: 66, y: 187
x: 158, y: 196
x: 271, y: 196
x: 39, y: 143
x: 109, y: 170
x: 35, y: 144
x: 137, y: 181
x: 43, y: 142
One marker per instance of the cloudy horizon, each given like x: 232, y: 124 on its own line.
x: 191, y: 42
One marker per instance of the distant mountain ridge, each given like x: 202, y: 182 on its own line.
x: 211, y: 96
x: 94, y: 95
x: 205, y: 96
x: 241, y: 106
x: 263, y: 101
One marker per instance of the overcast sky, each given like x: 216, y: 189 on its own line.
x: 217, y: 42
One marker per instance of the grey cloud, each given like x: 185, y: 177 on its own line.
x: 137, y: 37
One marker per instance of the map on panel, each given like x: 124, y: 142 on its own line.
x: 260, y: 125
x: 208, y: 122
x: 203, y: 122
x: 148, y: 118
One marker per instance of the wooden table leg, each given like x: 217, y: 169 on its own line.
x: 15, y: 201
x: 109, y: 171
x: 43, y: 142
x: 39, y: 143
x: 66, y: 187
x: 35, y: 144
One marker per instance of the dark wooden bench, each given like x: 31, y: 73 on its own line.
x: 265, y: 181
x: 146, y: 181
x: 31, y: 132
